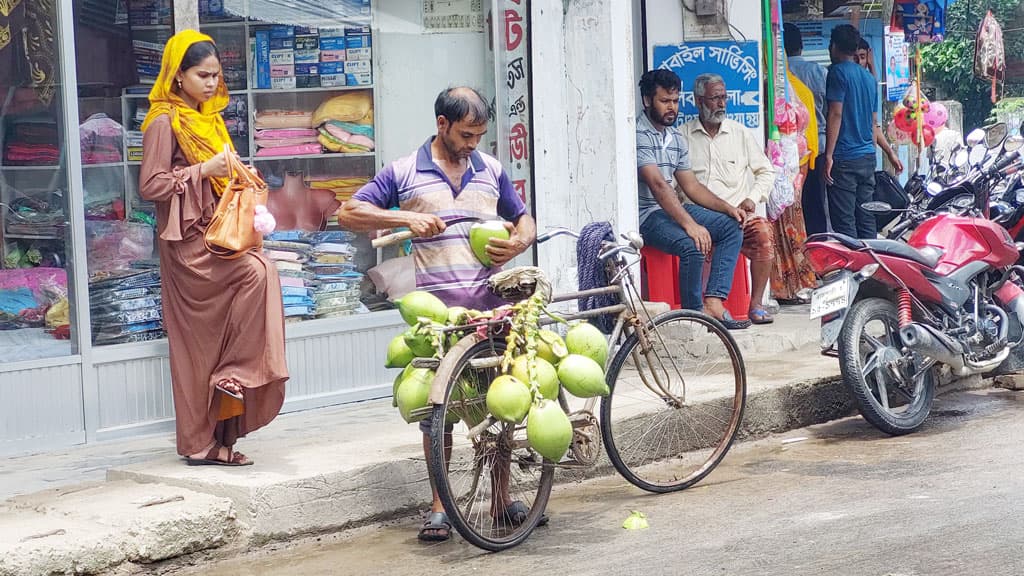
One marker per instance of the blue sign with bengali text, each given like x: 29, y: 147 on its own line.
x: 736, y: 62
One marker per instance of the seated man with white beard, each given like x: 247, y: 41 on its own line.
x: 722, y: 153
x: 705, y: 225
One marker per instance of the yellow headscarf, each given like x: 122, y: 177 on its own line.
x: 200, y: 133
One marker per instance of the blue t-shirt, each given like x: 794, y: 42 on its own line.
x: 852, y: 85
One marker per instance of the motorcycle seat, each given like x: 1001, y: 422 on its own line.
x: 927, y: 258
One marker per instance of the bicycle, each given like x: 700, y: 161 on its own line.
x: 662, y: 432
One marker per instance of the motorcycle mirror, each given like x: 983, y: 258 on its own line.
x: 995, y: 134
x: 875, y: 207
x: 977, y: 154
x: 961, y: 159
x: 975, y: 137
x: 1014, y: 143
x: 934, y: 189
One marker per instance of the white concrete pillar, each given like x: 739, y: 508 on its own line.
x: 585, y: 124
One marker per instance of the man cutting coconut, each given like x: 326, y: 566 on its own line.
x: 446, y: 179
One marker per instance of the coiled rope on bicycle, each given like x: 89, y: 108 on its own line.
x: 593, y: 273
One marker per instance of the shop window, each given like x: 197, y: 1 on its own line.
x: 323, y: 95
x: 119, y: 45
x: 36, y: 310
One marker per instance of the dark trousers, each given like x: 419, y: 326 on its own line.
x: 853, y: 183
x: 813, y: 199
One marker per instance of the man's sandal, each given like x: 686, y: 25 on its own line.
x: 761, y: 316
x: 436, y: 528
x: 516, y: 513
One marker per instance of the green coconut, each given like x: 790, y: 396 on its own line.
x: 547, y: 377
x: 480, y: 235
x: 399, y: 354
x: 398, y: 382
x: 582, y: 377
x: 420, y: 343
x: 421, y: 304
x: 508, y: 399
x: 585, y: 339
x: 551, y: 347
x: 414, y: 392
x: 548, y: 430
x: 457, y: 315
x: 467, y: 392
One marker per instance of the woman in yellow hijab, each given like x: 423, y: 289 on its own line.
x: 224, y: 318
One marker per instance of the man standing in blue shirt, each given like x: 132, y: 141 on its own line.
x: 851, y: 122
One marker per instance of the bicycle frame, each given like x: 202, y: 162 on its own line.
x: 627, y: 322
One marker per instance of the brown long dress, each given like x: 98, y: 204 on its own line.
x: 224, y: 318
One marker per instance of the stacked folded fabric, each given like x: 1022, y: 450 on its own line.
x: 345, y: 122
x: 335, y: 280
x: 101, y: 139
x: 126, y: 305
x: 270, y: 119
x: 286, y: 142
x: 317, y: 272
x: 290, y: 254
x: 31, y: 142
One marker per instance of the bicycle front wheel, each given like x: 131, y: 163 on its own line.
x: 678, y: 390
x: 493, y: 486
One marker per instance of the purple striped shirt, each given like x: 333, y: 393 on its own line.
x: 445, y: 264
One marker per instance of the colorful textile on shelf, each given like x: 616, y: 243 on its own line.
x: 276, y: 119
x: 293, y: 150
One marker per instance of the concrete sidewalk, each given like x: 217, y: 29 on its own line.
x: 315, y: 471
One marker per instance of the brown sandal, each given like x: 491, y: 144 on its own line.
x: 231, y: 388
x: 212, y: 458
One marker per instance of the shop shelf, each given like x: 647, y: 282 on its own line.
x: 318, y: 89
x: 315, y: 156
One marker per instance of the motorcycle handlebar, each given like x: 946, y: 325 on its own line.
x: 1004, y: 162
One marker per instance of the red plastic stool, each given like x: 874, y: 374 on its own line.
x: 738, y: 302
x: 662, y: 273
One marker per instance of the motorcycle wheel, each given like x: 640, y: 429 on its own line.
x: 879, y: 374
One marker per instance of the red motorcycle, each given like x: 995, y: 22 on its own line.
x: 895, y: 312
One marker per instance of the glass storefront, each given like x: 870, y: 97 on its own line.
x: 323, y: 95
x: 36, y: 306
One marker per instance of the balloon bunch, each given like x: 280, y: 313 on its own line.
x: 788, y: 153
x: 903, y: 128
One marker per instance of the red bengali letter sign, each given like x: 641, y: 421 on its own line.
x: 520, y: 187
x: 517, y: 142
x: 513, y: 30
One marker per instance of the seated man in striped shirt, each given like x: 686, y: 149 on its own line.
x: 724, y: 155
x: 704, y: 225
x: 448, y: 178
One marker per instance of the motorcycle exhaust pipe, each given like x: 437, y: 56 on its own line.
x: 929, y: 342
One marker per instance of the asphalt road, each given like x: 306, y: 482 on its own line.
x: 835, y: 499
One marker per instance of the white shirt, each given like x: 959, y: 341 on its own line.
x: 725, y: 162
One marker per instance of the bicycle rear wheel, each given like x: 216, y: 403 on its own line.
x: 483, y: 454
x: 674, y: 408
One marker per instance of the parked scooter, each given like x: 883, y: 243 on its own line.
x: 895, y: 312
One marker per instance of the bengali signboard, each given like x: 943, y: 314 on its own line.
x: 736, y: 62
x: 514, y: 94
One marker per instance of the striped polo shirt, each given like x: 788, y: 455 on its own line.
x: 445, y: 264
x: 666, y: 150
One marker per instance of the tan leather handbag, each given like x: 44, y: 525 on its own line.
x: 231, y: 232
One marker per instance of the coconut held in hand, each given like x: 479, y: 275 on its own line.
x: 481, y: 233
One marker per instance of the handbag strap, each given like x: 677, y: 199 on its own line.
x: 241, y: 173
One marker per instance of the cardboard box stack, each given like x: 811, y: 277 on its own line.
x: 289, y: 57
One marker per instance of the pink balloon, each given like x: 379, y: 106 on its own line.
x: 940, y: 115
